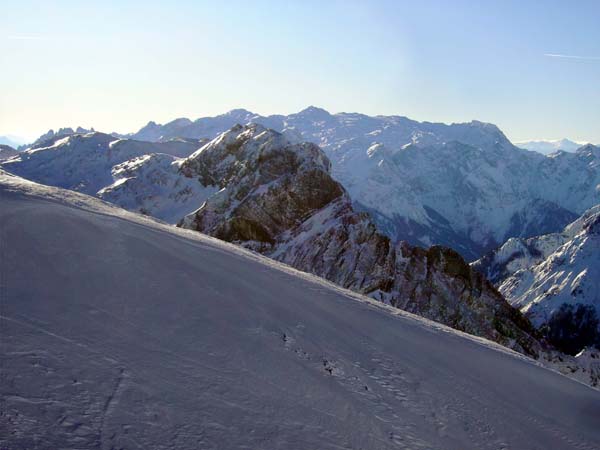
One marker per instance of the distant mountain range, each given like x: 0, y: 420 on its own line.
x: 547, y: 147
x: 12, y: 141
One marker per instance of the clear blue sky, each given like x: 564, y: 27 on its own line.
x: 115, y: 65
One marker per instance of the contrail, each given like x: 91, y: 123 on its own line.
x: 583, y: 58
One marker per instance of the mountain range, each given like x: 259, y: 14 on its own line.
x: 547, y: 147
x: 547, y: 275
x: 12, y: 141
x: 460, y: 185
x: 278, y: 194
x: 258, y: 188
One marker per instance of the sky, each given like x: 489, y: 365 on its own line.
x: 530, y: 67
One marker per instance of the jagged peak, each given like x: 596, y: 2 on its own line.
x: 248, y: 147
x: 236, y: 137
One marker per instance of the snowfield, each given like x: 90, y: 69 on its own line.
x: 119, y: 331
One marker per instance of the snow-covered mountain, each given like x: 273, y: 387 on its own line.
x: 548, y: 146
x: 460, y: 185
x: 255, y: 187
x: 121, y: 332
x: 249, y: 191
x: 6, y: 152
x: 539, y: 275
x: 279, y: 199
x: 83, y: 162
x: 48, y: 138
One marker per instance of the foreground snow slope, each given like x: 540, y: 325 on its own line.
x: 120, y: 332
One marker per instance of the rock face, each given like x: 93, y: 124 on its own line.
x: 540, y: 274
x: 278, y: 198
x: 461, y: 185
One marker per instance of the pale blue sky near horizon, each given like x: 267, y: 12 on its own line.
x: 531, y: 67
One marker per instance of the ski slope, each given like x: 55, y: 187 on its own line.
x: 122, y: 332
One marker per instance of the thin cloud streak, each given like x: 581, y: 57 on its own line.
x: 581, y: 58
x: 25, y: 38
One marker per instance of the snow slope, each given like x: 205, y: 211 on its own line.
x: 120, y: 332
x: 462, y: 185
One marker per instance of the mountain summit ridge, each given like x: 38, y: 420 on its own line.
x: 474, y: 165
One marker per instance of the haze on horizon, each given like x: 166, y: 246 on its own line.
x: 533, y: 69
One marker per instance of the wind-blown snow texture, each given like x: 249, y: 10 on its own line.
x: 539, y: 274
x: 120, y: 332
x: 460, y: 185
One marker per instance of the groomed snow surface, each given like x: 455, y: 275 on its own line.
x: 121, y: 332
